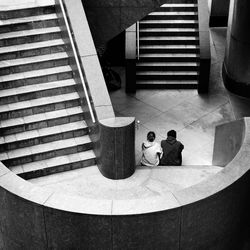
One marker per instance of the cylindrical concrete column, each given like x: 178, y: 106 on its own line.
x: 117, y: 147
x: 236, y: 66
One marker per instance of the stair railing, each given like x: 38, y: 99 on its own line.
x: 77, y: 62
x: 138, y: 39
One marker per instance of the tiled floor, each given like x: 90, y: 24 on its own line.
x: 193, y: 116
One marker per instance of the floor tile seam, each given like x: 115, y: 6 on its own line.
x: 212, y: 111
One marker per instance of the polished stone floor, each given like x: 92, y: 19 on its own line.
x: 193, y: 116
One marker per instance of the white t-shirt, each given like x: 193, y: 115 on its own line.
x: 150, y: 153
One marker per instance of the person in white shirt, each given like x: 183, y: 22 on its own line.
x: 151, y: 151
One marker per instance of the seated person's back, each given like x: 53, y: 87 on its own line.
x: 171, y: 150
x: 151, y: 151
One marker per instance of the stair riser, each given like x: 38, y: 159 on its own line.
x: 169, y: 42
x: 36, y: 95
x: 36, y: 80
x: 169, y: 33
x: 58, y: 169
x: 43, y: 139
x: 39, y: 109
x: 166, y: 86
x: 42, y: 124
x: 32, y: 52
x: 171, y: 17
x: 170, y: 59
x: 47, y: 155
x: 167, y: 77
x: 27, y: 12
x: 30, y: 39
x: 169, y: 68
x: 34, y: 66
x: 170, y: 50
x: 168, y: 25
x: 29, y: 25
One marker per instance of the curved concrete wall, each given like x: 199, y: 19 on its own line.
x: 208, y: 215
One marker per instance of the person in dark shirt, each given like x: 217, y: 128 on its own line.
x: 171, y: 150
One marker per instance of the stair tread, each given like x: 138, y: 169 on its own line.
x: 27, y: 135
x: 37, y: 87
x: 174, y: 38
x: 53, y: 162
x: 45, y: 147
x: 40, y: 117
x: 148, y: 73
x: 31, y: 32
x: 168, y: 30
x: 173, y: 13
x: 170, y: 46
x: 21, y: 20
x: 167, y: 64
x: 165, y: 82
x: 32, y: 59
x: 35, y: 73
x: 170, y: 55
x: 38, y: 102
x: 28, y: 5
x: 168, y: 21
x: 179, y: 5
x: 27, y: 46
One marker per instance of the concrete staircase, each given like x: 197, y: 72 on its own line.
x: 42, y: 124
x: 169, y: 47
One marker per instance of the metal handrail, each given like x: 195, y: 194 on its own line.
x: 138, y: 39
x: 77, y: 61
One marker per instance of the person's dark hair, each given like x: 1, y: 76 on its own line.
x: 172, y: 133
x: 151, y: 136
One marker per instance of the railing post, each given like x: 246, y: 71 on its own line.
x: 130, y: 58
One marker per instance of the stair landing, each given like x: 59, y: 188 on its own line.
x: 145, y: 183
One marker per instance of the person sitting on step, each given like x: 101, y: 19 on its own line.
x: 151, y: 151
x: 171, y: 150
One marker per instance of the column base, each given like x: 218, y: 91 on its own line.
x: 238, y: 88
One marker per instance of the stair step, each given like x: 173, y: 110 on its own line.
x: 167, y: 73
x: 25, y: 93
x: 46, y: 151
x: 29, y: 36
x: 169, y: 48
x: 33, y: 63
x: 35, y: 76
x: 43, y: 135
x: 10, y: 11
x: 39, y: 105
x: 41, y: 120
x: 32, y: 49
x: 178, y: 5
x: 167, y: 55
x: 55, y: 165
x: 169, y: 21
x: 28, y: 19
x: 166, y: 84
x: 27, y: 5
x: 168, y: 30
x: 173, y: 13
